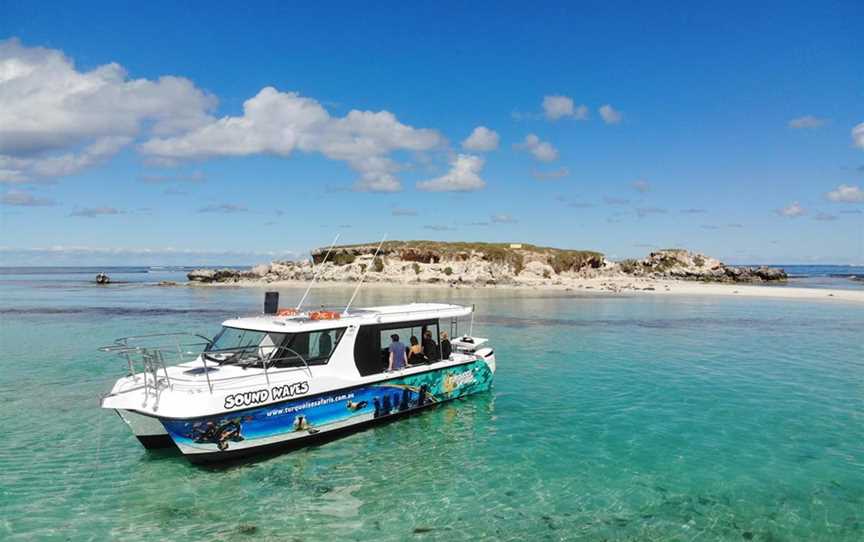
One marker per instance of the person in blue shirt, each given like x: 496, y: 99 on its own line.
x: 397, y: 354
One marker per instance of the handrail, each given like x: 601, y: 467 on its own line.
x: 123, y: 342
x: 153, y: 356
x: 297, y: 354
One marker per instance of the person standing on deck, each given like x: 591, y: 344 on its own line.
x: 397, y: 354
x: 430, y: 349
x: 446, y: 347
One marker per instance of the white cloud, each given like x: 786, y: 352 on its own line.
x: 554, y: 174
x: 503, y: 219
x: 612, y: 200
x: 557, y: 107
x: 56, y: 120
x: 196, y: 176
x: 807, y: 121
x: 793, y: 210
x: 224, y: 208
x: 439, y: 227
x: 610, y: 115
x: 542, y: 150
x: 464, y: 176
x: 279, y: 123
x: 93, y: 212
x: 641, y: 185
x: 24, y: 199
x: 482, y: 139
x: 858, y: 136
x: 846, y: 193
x: 642, y: 212
x: 44, y: 166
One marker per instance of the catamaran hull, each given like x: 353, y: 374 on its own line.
x: 148, y: 430
x: 302, y: 422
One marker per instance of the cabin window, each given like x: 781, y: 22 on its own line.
x: 315, y: 347
x: 367, y: 352
x: 372, y: 346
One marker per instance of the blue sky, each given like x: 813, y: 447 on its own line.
x: 733, y: 129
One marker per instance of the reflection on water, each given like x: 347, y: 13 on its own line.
x: 616, y: 418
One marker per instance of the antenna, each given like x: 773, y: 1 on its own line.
x: 363, y: 277
x: 315, y: 276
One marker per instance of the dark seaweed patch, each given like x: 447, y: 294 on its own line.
x: 247, y: 529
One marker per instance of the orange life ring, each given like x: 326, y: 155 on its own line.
x: 324, y: 315
x: 286, y: 312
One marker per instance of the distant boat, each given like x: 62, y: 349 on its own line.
x: 102, y: 278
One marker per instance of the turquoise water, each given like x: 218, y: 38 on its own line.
x: 620, y: 418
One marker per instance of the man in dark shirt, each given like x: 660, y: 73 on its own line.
x: 430, y: 349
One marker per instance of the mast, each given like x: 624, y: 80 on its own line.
x: 363, y: 277
x: 317, y: 271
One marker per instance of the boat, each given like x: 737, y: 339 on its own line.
x: 288, y: 378
x: 102, y: 278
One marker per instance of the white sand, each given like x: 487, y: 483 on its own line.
x: 617, y: 285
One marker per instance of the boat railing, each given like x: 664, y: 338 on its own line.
x: 154, y: 353
x: 151, y: 351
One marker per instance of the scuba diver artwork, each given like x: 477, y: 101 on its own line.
x: 354, y: 407
x: 301, y: 423
x: 397, y: 402
x: 219, y: 433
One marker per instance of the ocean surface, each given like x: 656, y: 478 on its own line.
x: 612, y: 417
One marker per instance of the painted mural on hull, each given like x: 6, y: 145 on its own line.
x: 303, y: 417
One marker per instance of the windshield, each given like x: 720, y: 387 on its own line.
x: 242, y: 346
x: 248, y: 347
x: 232, y: 338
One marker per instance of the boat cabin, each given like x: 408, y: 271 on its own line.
x: 335, y: 343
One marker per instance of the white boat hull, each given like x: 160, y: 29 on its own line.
x: 149, y: 430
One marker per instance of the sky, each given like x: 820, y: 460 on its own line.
x: 162, y: 133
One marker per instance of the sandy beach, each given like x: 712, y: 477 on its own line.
x: 611, y: 285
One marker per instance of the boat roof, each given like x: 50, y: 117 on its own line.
x: 387, y: 314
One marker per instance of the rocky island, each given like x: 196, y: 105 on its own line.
x: 489, y: 264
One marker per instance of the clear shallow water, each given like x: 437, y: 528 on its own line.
x: 825, y: 276
x: 611, y: 417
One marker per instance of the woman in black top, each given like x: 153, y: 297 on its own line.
x: 415, y: 353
